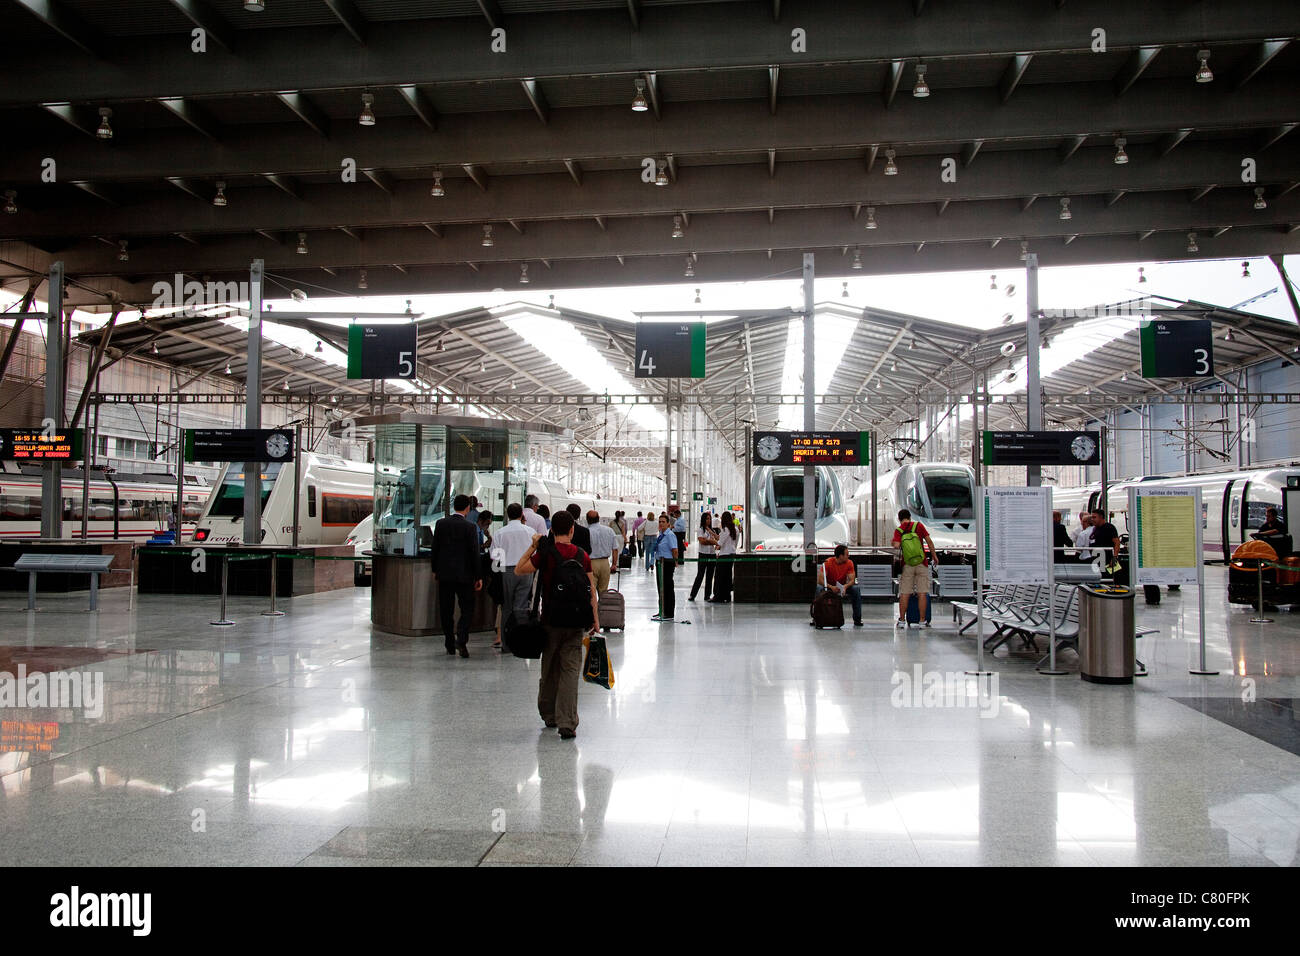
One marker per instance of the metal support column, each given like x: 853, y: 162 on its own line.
x: 51, y: 471
x: 1033, y: 388
x: 253, y: 405
x: 809, y: 397
x: 14, y: 333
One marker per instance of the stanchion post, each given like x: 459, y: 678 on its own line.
x: 1261, y: 619
x: 274, y: 589
x: 225, y: 574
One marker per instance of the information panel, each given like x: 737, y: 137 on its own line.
x: 1165, y: 541
x: 812, y: 448
x: 381, y: 351
x: 31, y: 444
x: 1042, y: 448
x: 670, y: 350
x: 1015, y: 533
x: 1177, y: 348
x: 238, y: 444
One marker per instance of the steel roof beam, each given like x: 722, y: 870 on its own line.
x: 307, y: 111
x: 67, y: 25
x: 420, y: 104
x: 1134, y: 67
x: 203, y: 16
x: 347, y: 13
x: 1260, y: 58
x: 193, y: 116
x: 536, y: 98
x: 1013, y: 74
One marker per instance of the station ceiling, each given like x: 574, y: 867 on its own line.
x: 773, y: 124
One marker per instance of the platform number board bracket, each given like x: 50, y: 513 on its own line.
x: 669, y: 350
x: 1177, y: 348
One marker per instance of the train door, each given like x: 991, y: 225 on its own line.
x: 1231, y: 516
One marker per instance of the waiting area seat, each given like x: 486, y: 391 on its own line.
x: 91, y: 564
x: 876, y: 580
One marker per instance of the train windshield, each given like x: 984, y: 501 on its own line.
x: 431, y: 489
x: 787, y: 497
x: 228, y: 500
x: 950, y: 494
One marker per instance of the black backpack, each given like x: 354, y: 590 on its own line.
x: 567, y: 602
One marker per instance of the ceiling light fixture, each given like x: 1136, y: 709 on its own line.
x: 690, y: 267
x: 361, y: 282
x: 677, y: 227
x: 1121, y: 157
x: 320, y: 349
x: 220, y: 198
x: 893, y: 365
x: 993, y: 283
x: 922, y: 88
x: 298, y: 295
x: 857, y: 259
x: 1203, y: 72
x: 1123, y: 376
x: 367, y: 117
x: 302, y: 243
x: 227, y: 366
x: 639, y: 103
x: 523, y: 273
x: 1259, y: 198
x: 256, y: 6
x: 1245, y: 270
x: 661, y: 177
x: 891, y: 167
x: 1191, y: 243
x: 122, y: 254
x: 439, y: 346
x: 697, y: 296
x: 437, y: 189
x: 1228, y: 336
x: 482, y: 365
x: 871, y: 218
x: 105, y: 131
x: 1065, y: 209
x: 487, y: 242
x: 285, y: 386
x: 11, y: 206
x: 911, y: 344
x: 845, y: 293
x: 1024, y: 250
x: 155, y: 348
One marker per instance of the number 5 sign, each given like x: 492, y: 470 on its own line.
x: 381, y: 351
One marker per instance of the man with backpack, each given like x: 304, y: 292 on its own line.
x: 568, y: 613
x: 911, y: 540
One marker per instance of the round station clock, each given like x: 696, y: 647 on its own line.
x: 1083, y: 447
x: 277, y: 446
x: 769, y: 448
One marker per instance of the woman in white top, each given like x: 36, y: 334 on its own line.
x: 619, y: 525
x: 728, y: 541
x: 708, y: 539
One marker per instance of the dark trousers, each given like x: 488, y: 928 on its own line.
x: 448, y: 593
x: 557, y: 690
x: 703, y: 573
x: 722, y: 579
x: 667, y: 599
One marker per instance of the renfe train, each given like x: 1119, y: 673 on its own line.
x: 334, y: 494
x: 941, y: 495
x: 1232, y: 503
x: 120, y: 505
x: 776, y: 521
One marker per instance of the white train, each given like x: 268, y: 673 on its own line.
x: 776, y: 523
x: 941, y: 495
x: 1232, y: 503
x: 120, y: 505
x: 335, y: 494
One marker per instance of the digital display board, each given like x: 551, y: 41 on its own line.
x: 238, y: 444
x: 31, y: 444
x: 1042, y: 448
x: 812, y: 448
x: 670, y: 350
x: 381, y: 351
x: 1177, y: 348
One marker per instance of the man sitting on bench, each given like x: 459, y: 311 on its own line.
x: 840, y: 574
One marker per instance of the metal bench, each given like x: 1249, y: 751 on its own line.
x: 876, y: 580
x: 954, y: 581
x: 1079, y: 573
x: 92, y: 564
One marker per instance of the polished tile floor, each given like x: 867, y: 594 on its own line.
x: 741, y: 738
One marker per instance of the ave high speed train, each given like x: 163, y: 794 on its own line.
x: 1232, y: 503
x: 941, y: 495
x: 776, y: 522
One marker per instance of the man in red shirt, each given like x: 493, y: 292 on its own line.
x: 557, y: 693
x: 911, y: 539
x: 840, y: 574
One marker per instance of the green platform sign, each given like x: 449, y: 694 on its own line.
x: 1177, y: 348
x: 381, y: 351
x: 670, y: 350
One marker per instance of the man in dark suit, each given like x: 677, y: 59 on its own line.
x: 581, y: 536
x: 456, y: 566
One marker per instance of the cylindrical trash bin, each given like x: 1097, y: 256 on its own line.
x: 1106, y: 634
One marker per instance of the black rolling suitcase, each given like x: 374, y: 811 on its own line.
x: 624, y: 559
x: 828, y: 610
x: 914, y: 609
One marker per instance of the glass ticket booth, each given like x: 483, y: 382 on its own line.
x: 422, y: 462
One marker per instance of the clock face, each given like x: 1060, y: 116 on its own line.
x: 769, y: 448
x: 277, y: 446
x: 1082, y: 448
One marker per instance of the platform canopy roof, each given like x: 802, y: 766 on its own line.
x: 529, y: 362
x: 775, y: 127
